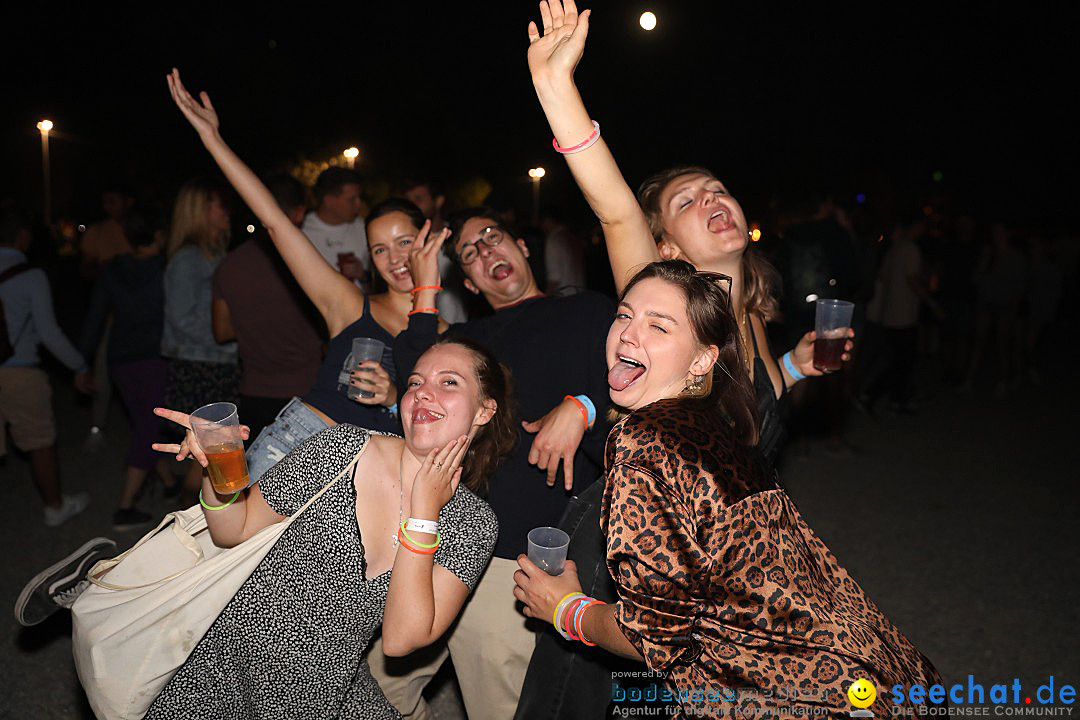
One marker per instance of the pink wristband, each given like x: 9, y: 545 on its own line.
x: 583, y: 145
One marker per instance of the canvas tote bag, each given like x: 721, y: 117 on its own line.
x: 147, y: 608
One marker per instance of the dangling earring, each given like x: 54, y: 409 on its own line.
x: 694, y: 386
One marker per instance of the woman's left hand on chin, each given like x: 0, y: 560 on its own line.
x: 541, y: 592
x: 438, y: 478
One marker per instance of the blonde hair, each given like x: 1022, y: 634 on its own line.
x: 759, y: 277
x: 191, y: 220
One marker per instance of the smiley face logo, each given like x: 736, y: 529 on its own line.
x: 862, y: 693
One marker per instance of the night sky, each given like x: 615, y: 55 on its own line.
x: 849, y: 101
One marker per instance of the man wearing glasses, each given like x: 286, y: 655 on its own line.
x: 554, y: 346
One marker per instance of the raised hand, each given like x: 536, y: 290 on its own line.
x: 190, y: 446
x: 424, y: 256
x: 559, y: 50
x: 201, y: 115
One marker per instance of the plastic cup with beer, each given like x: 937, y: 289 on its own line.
x: 363, y: 349
x: 217, y: 429
x: 547, y: 549
x: 831, y: 323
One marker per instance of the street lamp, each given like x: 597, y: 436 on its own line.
x: 647, y: 21
x: 536, y: 173
x: 45, y: 126
x: 350, y: 156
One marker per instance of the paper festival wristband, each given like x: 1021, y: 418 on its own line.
x: 431, y: 527
x: 405, y: 533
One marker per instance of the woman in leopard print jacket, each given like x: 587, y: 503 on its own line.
x: 724, y: 589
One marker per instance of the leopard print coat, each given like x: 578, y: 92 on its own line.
x: 725, y: 589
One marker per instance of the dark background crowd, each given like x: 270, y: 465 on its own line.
x: 916, y: 164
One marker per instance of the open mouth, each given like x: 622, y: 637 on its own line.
x: 624, y: 373
x: 720, y: 221
x: 400, y: 274
x: 500, y: 270
x: 423, y: 416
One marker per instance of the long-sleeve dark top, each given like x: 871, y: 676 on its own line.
x: 554, y: 346
x: 132, y: 289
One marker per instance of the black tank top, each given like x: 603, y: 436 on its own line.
x: 328, y: 394
x: 771, y: 430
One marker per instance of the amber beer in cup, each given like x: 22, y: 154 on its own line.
x: 217, y: 429
x: 831, y: 323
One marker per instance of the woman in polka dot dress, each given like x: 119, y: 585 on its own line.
x: 290, y: 643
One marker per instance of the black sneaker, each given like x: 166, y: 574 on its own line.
x: 128, y: 518
x: 58, y: 586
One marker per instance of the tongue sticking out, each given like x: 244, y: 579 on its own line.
x: 501, y: 272
x: 620, y: 376
x: 424, y: 415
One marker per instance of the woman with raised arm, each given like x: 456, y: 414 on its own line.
x: 290, y: 643
x: 723, y: 590
x: 684, y: 213
x: 392, y: 227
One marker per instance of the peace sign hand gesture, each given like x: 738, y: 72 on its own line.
x: 424, y: 256
x: 557, y: 53
x: 202, y: 116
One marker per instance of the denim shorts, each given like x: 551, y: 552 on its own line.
x: 292, y: 426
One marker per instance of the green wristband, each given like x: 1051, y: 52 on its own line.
x: 218, y: 507
x: 438, y: 539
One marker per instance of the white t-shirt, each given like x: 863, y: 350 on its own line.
x: 330, y: 240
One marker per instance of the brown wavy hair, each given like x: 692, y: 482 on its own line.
x: 727, y: 388
x: 760, y: 280
x: 497, y: 438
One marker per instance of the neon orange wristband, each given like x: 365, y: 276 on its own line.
x: 579, y: 619
x: 581, y: 407
x: 436, y: 288
x: 408, y: 546
x: 427, y: 311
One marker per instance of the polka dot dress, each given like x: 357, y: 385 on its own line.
x: 289, y: 643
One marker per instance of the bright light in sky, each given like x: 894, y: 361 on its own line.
x: 648, y: 20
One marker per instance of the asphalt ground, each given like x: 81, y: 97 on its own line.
x: 960, y: 521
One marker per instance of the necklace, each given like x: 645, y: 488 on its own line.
x: 746, y: 338
x: 401, y: 497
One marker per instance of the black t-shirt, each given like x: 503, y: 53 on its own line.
x: 554, y: 346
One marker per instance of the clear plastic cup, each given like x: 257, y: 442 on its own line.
x: 832, y: 321
x: 217, y: 429
x: 547, y: 549
x: 363, y: 349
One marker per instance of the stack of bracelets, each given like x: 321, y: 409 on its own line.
x: 425, y: 526
x: 568, y: 614
x: 428, y: 311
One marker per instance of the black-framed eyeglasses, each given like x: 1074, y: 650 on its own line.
x: 490, y: 236
x: 717, y: 278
